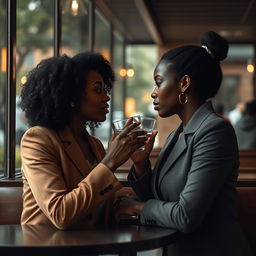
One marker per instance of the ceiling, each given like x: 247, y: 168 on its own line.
x: 170, y: 21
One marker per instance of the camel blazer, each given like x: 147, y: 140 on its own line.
x: 60, y: 187
x: 192, y: 187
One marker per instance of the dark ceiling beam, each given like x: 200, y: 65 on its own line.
x: 112, y: 18
x: 246, y: 13
x: 149, y: 21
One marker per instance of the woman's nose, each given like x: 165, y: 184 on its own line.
x: 154, y: 94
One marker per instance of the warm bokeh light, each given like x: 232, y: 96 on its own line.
x: 146, y: 98
x: 74, y: 7
x: 106, y: 54
x: 3, y: 60
x: 130, y: 107
x: 250, y: 68
x: 122, y: 72
x: 23, y: 80
x: 130, y: 72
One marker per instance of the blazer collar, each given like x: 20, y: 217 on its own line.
x: 198, y: 117
x: 165, y: 161
x: 74, y: 152
x: 173, y: 156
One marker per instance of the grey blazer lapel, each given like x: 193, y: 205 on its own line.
x: 170, y: 141
x: 172, y: 157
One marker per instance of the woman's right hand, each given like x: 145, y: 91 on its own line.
x: 121, y: 146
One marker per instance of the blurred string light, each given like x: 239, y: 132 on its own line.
x: 130, y: 72
x: 250, y: 68
x: 75, y: 8
x: 126, y: 72
x: 122, y: 72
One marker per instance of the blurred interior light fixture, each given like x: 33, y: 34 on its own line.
x: 250, y: 66
x: 130, y: 72
x: 122, y: 72
x: 3, y: 60
x: 75, y: 8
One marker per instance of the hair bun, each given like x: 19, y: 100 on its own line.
x: 216, y: 44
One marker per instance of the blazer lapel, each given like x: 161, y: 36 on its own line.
x: 166, y: 161
x: 73, y: 151
x: 98, y: 151
x: 172, y: 157
x: 170, y: 141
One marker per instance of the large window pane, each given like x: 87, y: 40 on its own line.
x: 3, y: 81
x: 102, y: 45
x: 118, y: 65
x: 75, y: 29
x: 142, y: 59
x: 34, y: 43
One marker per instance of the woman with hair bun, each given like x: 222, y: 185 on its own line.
x: 68, y: 179
x: 192, y: 186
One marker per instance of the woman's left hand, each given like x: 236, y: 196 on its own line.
x: 141, y: 156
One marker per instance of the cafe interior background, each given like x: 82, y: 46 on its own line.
x: 132, y: 35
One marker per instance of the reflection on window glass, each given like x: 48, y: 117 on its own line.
x: 75, y: 29
x: 102, y: 45
x: 3, y: 80
x: 34, y: 43
x: 141, y: 59
x: 118, y: 65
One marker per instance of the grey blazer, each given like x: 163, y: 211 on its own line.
x: 192, y: 188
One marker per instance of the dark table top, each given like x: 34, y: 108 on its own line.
x: 101, y: 240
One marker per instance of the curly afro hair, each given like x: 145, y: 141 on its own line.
x: 57, y: 82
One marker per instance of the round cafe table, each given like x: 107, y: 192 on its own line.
x: 45, y: 240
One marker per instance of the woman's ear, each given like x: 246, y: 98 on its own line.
x: 185, y: 83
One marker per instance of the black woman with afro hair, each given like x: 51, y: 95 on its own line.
x: 68, y: 177
x: 192, y: 186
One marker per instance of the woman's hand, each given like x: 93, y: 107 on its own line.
x: 141, y: 158
x: 127, y: 205
x: 121, y: 146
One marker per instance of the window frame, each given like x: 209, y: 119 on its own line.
x: 12, y: 176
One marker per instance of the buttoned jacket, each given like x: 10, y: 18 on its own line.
x: 192, y: 187
x: 60, y: 187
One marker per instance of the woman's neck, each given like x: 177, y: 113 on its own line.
x: 189, y: 109
x: 77, y: 127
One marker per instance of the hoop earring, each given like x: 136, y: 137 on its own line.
x: 185, y: 98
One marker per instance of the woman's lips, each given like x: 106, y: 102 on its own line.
x: 156, y: 106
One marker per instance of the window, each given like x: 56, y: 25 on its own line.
x: 102, y: 45
x: 75, y: 27
x: 3, y: 82
x: 34, y: 43
x: 141, y: 84
x: 118, y: 60
x: 35, y: 30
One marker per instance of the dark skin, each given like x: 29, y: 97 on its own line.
x: 166, y: 101
x: 93, y: 106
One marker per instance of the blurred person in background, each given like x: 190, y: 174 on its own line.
x: 245, y: 128
x: 236, y: 114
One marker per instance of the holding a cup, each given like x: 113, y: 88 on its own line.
x: 147, y: 124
